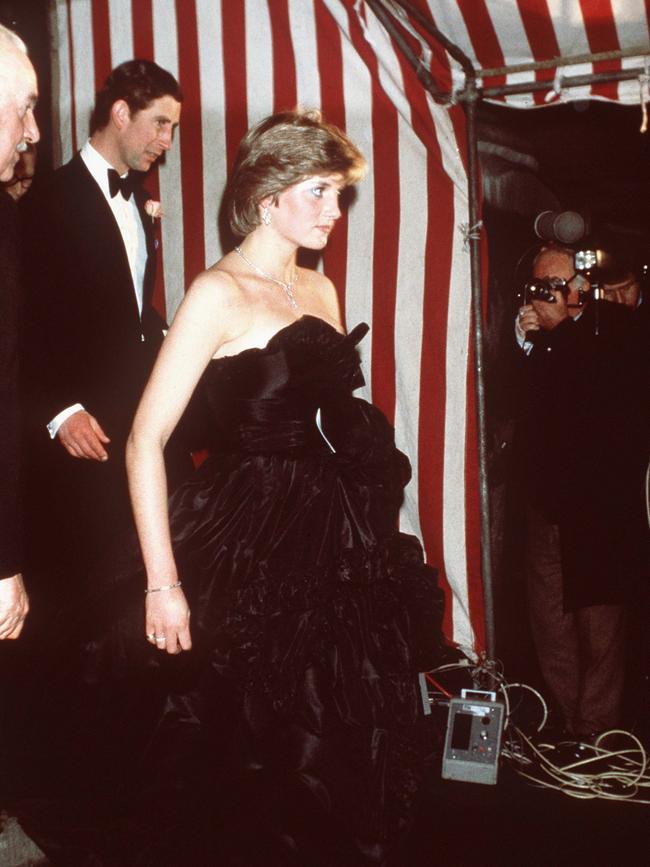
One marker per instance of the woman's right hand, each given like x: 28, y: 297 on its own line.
x: 168, y: 620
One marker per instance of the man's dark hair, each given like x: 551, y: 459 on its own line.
x: 625, y: 247
x: 138, y: 83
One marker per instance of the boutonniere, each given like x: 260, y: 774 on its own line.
x: 154, y: 209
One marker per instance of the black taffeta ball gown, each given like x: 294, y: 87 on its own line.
x: 290, y: 734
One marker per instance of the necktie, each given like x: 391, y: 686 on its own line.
x: 124, y: 185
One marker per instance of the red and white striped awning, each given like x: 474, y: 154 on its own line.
x: 508, y: 33
x: 399, y: 258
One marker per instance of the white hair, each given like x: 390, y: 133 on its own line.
x: 10, y: 40
x: 10, y: 43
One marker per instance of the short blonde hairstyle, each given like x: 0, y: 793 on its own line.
x: 281, y: 151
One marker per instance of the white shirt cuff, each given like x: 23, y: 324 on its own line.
x: 520, y: 337
x: 57, y: 421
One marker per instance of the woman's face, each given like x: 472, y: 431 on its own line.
x: 305, y: 213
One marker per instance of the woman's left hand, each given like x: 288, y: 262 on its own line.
x: 168, y: 620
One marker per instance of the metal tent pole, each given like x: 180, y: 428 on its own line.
x: 471, y: 96
x: 570, y: 81
x: 473, y: 180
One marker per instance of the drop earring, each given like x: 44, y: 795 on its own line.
x: 266, y: 216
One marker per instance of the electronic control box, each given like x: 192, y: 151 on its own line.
x: 473, y: 738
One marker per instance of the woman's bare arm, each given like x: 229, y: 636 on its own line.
x: 208, y: 317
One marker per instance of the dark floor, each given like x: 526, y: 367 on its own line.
x: 512, y: 824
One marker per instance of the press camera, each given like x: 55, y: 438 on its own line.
x: 542, y: 289
x: 592, y: 265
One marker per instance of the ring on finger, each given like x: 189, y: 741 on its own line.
x: 151, y: 636
x: 160, y: 638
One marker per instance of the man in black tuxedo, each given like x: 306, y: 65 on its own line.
x: 18, y: 94
x: 92, y: 332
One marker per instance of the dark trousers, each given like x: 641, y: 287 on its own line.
x: 581, y: 653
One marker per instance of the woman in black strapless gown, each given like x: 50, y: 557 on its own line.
x: 286, y: 713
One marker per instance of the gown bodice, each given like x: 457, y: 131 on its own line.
x: 292, y: 401
x: 273, y: 399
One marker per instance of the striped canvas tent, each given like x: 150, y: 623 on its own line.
x: 399, y: 256
x: 509, y: 33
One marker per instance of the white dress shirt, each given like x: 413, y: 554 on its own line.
x: 130, y: 225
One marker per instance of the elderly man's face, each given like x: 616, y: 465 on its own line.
x: 18, y: 95
x: 559, y: 263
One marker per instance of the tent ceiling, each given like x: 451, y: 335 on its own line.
x: 528, y: 44
x: 588, y: 157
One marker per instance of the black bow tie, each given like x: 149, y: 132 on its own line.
x: 125, y: 185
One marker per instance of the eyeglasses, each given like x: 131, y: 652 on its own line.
x: 577, y: 282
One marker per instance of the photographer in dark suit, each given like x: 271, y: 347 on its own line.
x: 18, y: 94
x: 587, y: 427
x: 92, y: 334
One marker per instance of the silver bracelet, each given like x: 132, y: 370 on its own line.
x: 164, y: 587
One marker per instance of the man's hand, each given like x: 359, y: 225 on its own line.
x: 527, y: 320
x: 14, y: 606
x: 550, y: 314
x: 82, y: 436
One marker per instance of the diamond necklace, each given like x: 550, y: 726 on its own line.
x: 288, y: 287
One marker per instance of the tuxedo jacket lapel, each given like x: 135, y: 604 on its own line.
x: 105, y: 243
x: 141, y: 197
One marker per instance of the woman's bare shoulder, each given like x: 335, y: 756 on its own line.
x: 217, y: 285
x: 214, y: 305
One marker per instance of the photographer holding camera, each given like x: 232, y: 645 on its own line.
x: 584, y: 336
x: 555, y: 265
